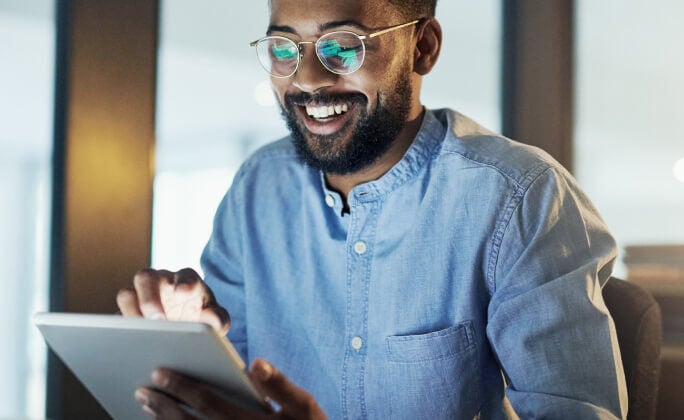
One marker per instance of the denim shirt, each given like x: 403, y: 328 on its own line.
x: 465, y: 281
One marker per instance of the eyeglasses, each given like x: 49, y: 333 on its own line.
x: 341, y: 52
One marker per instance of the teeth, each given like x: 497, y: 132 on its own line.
x: 326, y: 111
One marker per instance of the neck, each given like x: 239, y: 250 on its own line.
x: 343, y: 184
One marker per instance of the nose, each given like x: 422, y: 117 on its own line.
x: 311, y: 75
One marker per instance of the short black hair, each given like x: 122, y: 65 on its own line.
x: 412, y: 9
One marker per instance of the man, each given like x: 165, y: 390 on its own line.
x: 394, y: 262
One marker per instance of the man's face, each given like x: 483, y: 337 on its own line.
x: 370, y: 106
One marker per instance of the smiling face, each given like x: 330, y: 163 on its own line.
x: 344, y: 123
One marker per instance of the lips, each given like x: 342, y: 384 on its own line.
x: 325, y: 119
x: 324, y: 113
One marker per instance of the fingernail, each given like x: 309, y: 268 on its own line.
x: 159, y: 316
x: 149, y: 411
x: 141, y: 397
x: 160, y: 379
x: 265, y: 371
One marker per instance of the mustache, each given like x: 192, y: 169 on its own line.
x: 323, y: 99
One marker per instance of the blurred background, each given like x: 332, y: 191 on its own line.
x: 184, y: 72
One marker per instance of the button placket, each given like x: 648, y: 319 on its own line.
x: 363, y: 218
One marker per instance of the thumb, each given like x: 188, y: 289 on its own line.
x: 293, y: 400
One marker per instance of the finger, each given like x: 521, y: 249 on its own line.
x: 217, y: 317
x: 186, y: 281
x: 211, y: 309
x: 127, y: 301
x: 183, y: 295
x: 209, y: 297
x: 158, y: 405
x: 181, y: 304
x: 293, y: 400
x: 196, y: 395
x: 147, y: 284
x: 187, y: 276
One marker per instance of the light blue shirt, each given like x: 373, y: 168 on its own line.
x: 466, y: 278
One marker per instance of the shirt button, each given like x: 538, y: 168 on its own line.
x: 356, y: 343
x: 330, y: 200
x: 360, y: 247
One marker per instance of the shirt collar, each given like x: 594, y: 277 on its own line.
x: 431, y: 133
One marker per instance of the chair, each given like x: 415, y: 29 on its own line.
x: 638, y: 324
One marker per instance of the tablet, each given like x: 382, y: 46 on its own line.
x: 112, y: 356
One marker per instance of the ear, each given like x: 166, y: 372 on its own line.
x: 428, y: 46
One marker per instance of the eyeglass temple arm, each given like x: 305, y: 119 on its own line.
x: 393, y: 28
x: 373, y: 35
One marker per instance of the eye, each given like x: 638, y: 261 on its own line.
x: 284, y: 51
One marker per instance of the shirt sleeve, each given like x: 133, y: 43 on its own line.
x: 547, y: 322
x: 222, y: 265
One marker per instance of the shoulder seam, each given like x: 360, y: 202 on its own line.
x: 505, y: 219
x: 488, y: 165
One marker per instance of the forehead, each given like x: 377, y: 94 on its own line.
x: 308, y: 15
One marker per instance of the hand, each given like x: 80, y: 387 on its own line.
x: 295, y: 403
x: 179, y: 296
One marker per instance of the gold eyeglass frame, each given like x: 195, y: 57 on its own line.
x: 301, y: 50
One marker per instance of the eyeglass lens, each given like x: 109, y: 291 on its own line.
x: 340, y: 52
x: 278, y: 55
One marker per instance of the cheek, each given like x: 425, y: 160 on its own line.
x: 371, y: 82
x: 390, y: 60
x: 279, y: 87
x: 379, y: 74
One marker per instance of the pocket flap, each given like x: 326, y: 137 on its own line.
x: 434, y: 345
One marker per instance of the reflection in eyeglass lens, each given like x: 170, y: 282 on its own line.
x: 339, y: 57
x: 284, y: 51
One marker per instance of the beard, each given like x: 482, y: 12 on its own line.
x: 370, y: 138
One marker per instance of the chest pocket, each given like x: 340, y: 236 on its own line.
x: 431, y: 346
x: 434, y: 375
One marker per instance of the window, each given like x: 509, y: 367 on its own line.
x: 215, y: 105
x: 26, y: 97
x: 628, y: 143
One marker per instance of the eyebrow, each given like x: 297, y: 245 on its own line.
x: 322, y: 27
